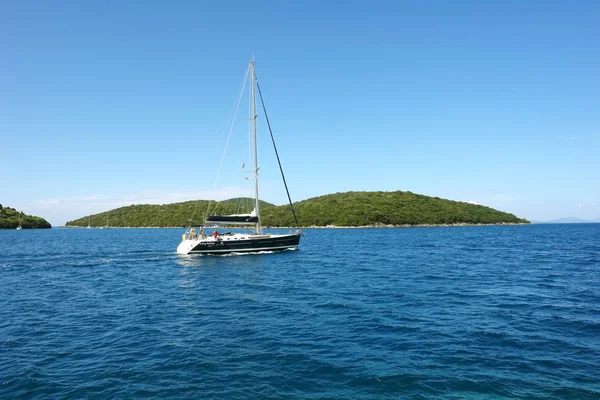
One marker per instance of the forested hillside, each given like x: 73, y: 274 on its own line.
x: 385, y: 208
x: 9, y: 219
x: 339, y: 209
x: 167, y: 215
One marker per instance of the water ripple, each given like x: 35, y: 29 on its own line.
x: 450, y: 313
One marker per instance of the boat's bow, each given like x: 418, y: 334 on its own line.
x: 186, y: 246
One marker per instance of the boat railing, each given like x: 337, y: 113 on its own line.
x: 193, y: 232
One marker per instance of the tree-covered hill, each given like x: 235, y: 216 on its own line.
x: 167, y: 215
x: 9, y: 219
x: 339, y: 209
x: 384, y: 208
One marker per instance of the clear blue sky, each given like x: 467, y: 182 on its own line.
x: 107, y: 103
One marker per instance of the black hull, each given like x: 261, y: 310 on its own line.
x: 277, y: 243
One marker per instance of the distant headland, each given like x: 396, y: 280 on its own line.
x: 344, y: 210
x: 568, y: 220
x: 10, y: 218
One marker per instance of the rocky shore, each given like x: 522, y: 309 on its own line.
x: 394, y: 226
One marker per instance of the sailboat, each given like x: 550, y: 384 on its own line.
x: 196, y: 241
x: 105, y: 226
x: 19, y: 227
x: 89, y: 225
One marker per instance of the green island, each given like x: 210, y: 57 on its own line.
x: 349, y: 209
x: 9, y: 219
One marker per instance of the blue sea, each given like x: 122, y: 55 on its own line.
x: 496, y: 312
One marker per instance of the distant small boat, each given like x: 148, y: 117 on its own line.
x: 89, y: 226
x: 105, y: 226
x: 19, y: 227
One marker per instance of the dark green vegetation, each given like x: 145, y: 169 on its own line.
x: 168, y: 215
x: 9, y: 219
x: 385, y: 208
x: 339, y: 209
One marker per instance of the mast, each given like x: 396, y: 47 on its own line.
x: 253, y: 117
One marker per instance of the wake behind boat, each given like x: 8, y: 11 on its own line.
x: 197, y: 240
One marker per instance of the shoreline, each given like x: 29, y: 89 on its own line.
x: 323, y: 227
x: 398, y: 226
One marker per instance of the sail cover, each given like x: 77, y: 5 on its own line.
x: 234, y: 219
x: 239, y: 219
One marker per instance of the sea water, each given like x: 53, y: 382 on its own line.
x: 498, y: 312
